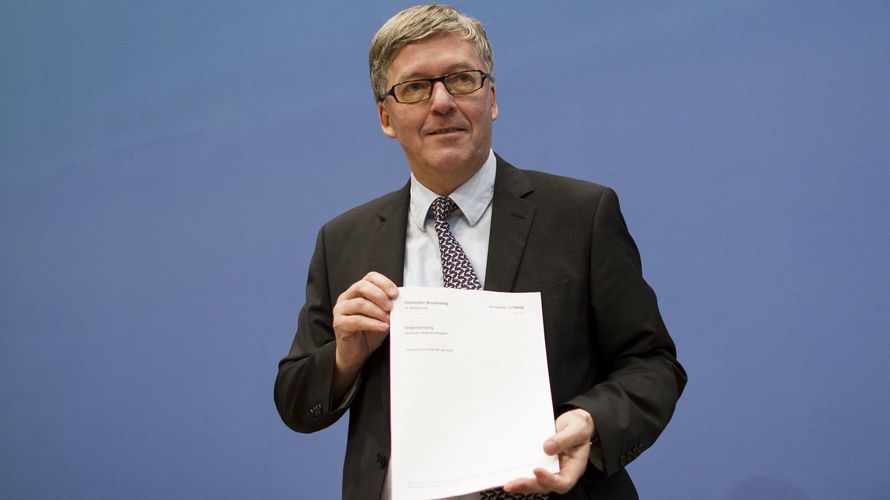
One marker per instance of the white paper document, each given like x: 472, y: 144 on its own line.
x: 470, y: 391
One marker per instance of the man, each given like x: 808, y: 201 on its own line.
x: 613, y: 371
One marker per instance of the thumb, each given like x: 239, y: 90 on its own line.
x: 572, y: 430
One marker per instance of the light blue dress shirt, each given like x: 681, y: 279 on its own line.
x: 470, y: 225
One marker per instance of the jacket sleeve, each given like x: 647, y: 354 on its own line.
x: 305, y: 375
x: 640, y: 378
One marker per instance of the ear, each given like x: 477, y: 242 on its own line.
x: 385, y: 123
x: 494, y: 103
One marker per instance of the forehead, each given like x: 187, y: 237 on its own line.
x: 434, y: 56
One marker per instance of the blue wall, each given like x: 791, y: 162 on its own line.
x: 164, y: 167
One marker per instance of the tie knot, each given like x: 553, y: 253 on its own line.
x: 442, y: 207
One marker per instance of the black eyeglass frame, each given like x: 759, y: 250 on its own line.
x: 391, y: 91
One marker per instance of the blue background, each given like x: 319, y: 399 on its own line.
x: 166, y: 165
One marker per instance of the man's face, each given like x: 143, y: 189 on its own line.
x: 446, y: 138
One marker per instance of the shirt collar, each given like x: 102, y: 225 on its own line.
x: 472, y: 197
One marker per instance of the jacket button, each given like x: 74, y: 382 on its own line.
x: 315, y: 411
x: 381, y: 460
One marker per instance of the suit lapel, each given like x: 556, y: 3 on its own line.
x: 387, y: 255
x: 511, y: 220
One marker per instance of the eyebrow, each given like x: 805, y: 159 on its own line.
x: 416, y: 75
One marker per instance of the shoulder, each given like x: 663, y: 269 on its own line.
x: 370, y: 214
x: 548, y: 188
x: 552, y: 183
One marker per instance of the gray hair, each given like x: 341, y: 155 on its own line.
x: 416, y: 23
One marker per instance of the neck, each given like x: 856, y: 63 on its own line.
x: 444, y: 181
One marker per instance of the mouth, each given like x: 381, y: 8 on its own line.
x: 446, y: 130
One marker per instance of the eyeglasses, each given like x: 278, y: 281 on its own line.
x: 462, y: 82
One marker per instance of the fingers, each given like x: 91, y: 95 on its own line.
x: 556, y: 483
x: 573, y: 428
x: 365, y: 305
x: 543, y: 482
x: 524, y: 486
x: 375, y: 287
x: 361, y: 321
x: 571, y: 468
x: 571, y: 442
x: 358, y: 315
x: 383, y: 283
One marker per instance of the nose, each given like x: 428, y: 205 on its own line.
x: 441, y: 100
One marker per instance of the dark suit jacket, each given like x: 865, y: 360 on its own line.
x: 607, y: 348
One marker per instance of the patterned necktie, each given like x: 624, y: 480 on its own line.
x: 456, y: 269
x: 458, y: 273
x: 500, y: 494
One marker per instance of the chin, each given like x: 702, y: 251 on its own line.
x: 449, y: 161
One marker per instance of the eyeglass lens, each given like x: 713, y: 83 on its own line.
x: 462, y: 82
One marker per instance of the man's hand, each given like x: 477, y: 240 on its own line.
x: 574, y: 430
x: 361, y: 323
